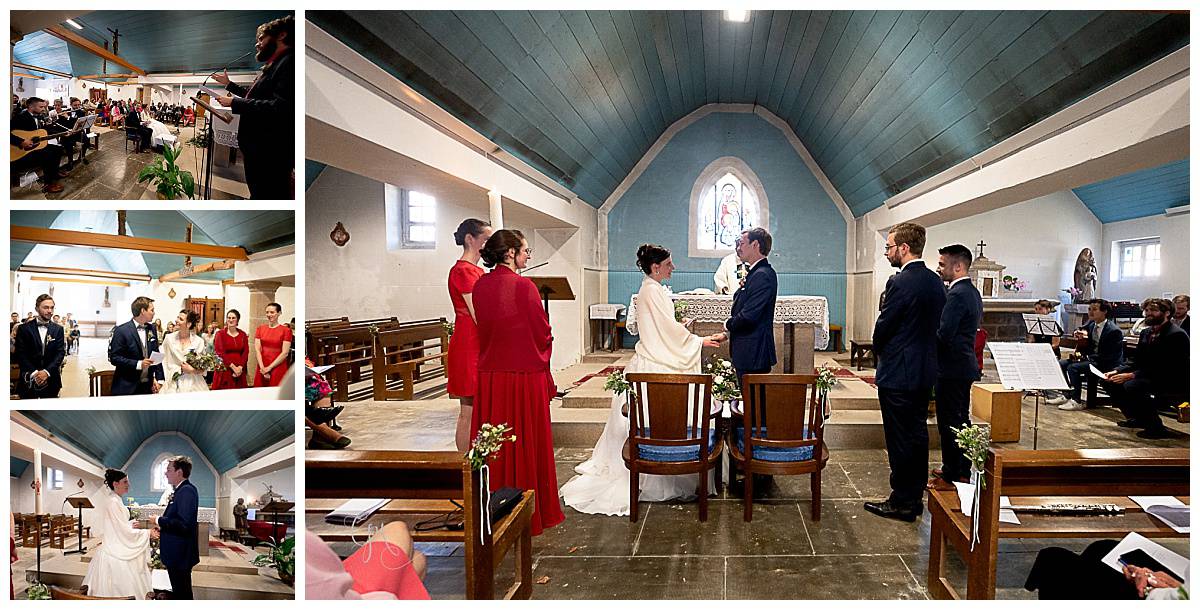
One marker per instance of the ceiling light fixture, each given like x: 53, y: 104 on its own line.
x: 737, y: 16
x: 72, y: 23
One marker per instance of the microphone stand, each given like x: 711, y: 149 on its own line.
x: 206, y: 181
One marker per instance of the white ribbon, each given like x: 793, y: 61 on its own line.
x: 976, y: 496
x: 485, y: 499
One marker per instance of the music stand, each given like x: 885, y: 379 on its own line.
x: 553, y: 289
x: 206, y: 182
x: 79, y: 503
x: 275, y: 507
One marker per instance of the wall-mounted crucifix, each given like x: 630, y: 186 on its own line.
x: 981, y: 245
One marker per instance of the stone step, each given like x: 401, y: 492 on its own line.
x: 69, y: 571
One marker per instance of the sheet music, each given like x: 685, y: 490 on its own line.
x: 1168, y: 509
x: 1038, y: 324
x: 1134, y: 540
x: 1027, y: 366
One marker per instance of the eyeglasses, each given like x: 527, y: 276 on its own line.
x: 887, y: 247
x: 529, y: 251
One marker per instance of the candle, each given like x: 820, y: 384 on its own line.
x: 37, y: 477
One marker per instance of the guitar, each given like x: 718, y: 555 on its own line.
x: 39, y: 137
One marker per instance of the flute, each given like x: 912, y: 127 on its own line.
x: 1070, y: 509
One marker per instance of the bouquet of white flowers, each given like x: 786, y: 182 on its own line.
x: 725, y: 386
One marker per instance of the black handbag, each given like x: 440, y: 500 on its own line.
x: 503, y: 501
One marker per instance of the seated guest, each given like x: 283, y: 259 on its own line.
x: 386, y: 567
x: 1059, y: 573
x: 69, y: 120
x: 1099, y: 343
x: 1183, y: 303
x: 1158, y: 374
x: 47, y: 159
x: 136, y: 120
x: 319, y: 412
x: 1044, y: 308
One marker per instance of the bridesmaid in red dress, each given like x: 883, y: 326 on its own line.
x: 271, y: 344
x: 463, y: 356
x: 515, y: 386
x: 233, y: 347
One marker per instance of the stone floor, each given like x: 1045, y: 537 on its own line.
x: 669, y: 554
x: 111, y: 173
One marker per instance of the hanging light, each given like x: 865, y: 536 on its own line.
x: 72, y: 23
x: 737, y: 16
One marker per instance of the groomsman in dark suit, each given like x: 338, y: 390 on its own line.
x: 906, y: 340
x: 38, y: 351
x: 957, y: 366
x: 129, y: 351
x: 750, y: 327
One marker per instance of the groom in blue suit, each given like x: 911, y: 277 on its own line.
x: 129, y: 351
x: 177, y: 545
x: 750, y: 329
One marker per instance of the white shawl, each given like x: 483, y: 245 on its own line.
x: 661, y: 339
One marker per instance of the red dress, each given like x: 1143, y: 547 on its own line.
x: 231, y: 350
x: 515, y: 388
x: 463, y: 357
x: 272, y: 345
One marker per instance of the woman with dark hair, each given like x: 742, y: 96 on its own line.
x: 515, y: 386
x: 272, y: 342
x: 664, y: 346
x: 179, y: 376
x: 121, y: 567
x: 463, y: 356
x: 233, y: 348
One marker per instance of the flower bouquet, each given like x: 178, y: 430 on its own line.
x: 446, y: 326
x: 202, y: 361
x: 488, y: 443
x: 974, y: 441
x: 681, y: 309
x: 1012, y: 284
x: 725, y: 385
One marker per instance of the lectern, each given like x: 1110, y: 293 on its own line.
x: 553, y: 289
x: 79, y: 503
x: 275, y: 507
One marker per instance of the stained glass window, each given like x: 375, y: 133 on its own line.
x: 725, y: 209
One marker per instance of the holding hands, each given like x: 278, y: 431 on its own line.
x: 715, y: 340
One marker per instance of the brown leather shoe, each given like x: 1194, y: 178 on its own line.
x: 53, y: 187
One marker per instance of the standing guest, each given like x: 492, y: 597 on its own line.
x: 16, y: 320
x: 905, y: 338
x: 1099, y: 343
x: 1183, y: 304
x: 266, y: 134
x: 33, y: 118
x: 129, y: 351
x: 463, y: 357
x: 272, y: 341
x: 233, y: 347
x: 957, y: 365
x: 515, y: 386
x: 72, y: 329
x: 1157, y: 376
x: 39, y: 350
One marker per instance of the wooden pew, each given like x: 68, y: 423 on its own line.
x: 399, y: 354
x: 1084, y: 476
x: 349, y: 348
x: 424, y: 482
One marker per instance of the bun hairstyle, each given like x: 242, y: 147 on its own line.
x: 193, y: 319
x: 471, y: 226
x: 499, y: 244
x: 112, y: 476
x: 649, y: 255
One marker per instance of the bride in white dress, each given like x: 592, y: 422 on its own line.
x: 122, y: 565
x: 664, y: 346
x: 175, y: 348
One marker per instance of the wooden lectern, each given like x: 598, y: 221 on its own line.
x: 553, y: 289
x: 275, y: 507
x: 79, y: 503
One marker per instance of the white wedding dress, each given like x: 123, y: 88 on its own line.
x: 121, y: 567
x: 174, y: 356
x: 664, y: 346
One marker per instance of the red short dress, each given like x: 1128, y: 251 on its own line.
x: 515, y: 388
x: 463, y: 357
x: 272, y: 340
x: 231, y: 350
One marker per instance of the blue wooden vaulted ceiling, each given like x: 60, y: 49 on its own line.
x: 883, y: 100
x: 226, y: 438
x: 255, y: 231
x: 1142, y: 193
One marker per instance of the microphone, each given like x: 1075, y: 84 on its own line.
x: 250, y: 52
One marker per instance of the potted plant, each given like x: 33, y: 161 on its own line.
x: 282, y: 557
x: 171, y: 180
x: 37, y: 591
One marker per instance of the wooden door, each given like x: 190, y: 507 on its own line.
x: 210, y: 310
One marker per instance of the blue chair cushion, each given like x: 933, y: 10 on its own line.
x: 773, y: 454
x: 680, y: 453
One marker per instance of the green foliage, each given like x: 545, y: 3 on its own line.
x: 37, y: 591
x: 616, y: 383
x: 487, y: 443
x: 171, y: 180
x: 974, y: 441
x: 725, y: 382
x: 282, y: 557
x: 826, y: 379
x: 449, y: 328
x: 681, y: 310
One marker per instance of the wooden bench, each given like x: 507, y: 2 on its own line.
x: 1085, y: 476
x: 349, y: 348
x: 399, y: 354
x: 421, y: 485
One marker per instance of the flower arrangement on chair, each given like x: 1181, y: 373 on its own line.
x: 974, y: 440
x: 725, y: 383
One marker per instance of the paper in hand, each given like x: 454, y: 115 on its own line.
x: 1095, y: 371
x: 156, y: 357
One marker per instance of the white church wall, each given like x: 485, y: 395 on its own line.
x: 282, y: 482
x: 1175, y: 257
x: 53, y: 500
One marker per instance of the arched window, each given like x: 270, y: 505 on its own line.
x: 158, y: 473
x: 726, y: 199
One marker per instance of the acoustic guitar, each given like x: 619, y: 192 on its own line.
x: 40, y: 138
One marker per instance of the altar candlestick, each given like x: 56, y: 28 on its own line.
x: 37, y: 477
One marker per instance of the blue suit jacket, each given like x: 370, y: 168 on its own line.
x: 750, y: 325
x: 956, y: 332
x: 1111, y: 351
x: 124, y: 352
x: 177, y: 546
x: 906, y: 331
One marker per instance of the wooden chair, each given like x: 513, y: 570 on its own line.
x: 670, y: 431
x: 782, y: 433
x: 100, y: 383
x: 57, y: 592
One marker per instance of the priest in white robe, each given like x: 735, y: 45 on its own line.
x: 727, y: 278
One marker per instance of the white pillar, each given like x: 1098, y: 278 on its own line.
x: 37, y: 477
x: 496, y: 209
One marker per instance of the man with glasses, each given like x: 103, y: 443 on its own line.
x: 906, y: 340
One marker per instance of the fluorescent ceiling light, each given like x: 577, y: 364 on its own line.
x: 737, y: 16
x: 74, y: 25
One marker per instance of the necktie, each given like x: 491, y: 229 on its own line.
x: 145, y: 353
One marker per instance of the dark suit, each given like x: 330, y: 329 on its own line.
x: 1106, y: 356
x: 134, y: 120
x: 49, y: 158
x: 905, y: 338
x: 177, y: 545
x: 70, y: 121
x: 1186, y: 324
x: 266, y: 132
x: 31, y: 356
x: 751, y: 322
x: 1160, y: 375
x: 124, y: 352
x: 957, y: 370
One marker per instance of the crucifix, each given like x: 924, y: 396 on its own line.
x: 981, y: 245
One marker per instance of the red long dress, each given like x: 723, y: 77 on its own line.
x: 272, y: 345
x: 515, y: 388
x: 231, y: 350
x: 463, y: 356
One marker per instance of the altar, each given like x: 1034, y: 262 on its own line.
x: 206, y: 517
x: 1002, y: 317
x: 801, y: 326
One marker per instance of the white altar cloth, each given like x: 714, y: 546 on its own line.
x: 795, y: 309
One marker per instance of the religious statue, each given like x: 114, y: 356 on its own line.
x: 1085, y: 276
x: 239, y: 515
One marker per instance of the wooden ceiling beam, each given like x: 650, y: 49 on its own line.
x: 72, y: 280
x: 205, y: 268
x: 27, y: 75
x: 19, y: 64
x: 59, y: 237
x: 99, y: 76
x: 70, y: 37
x: 112, y: 275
